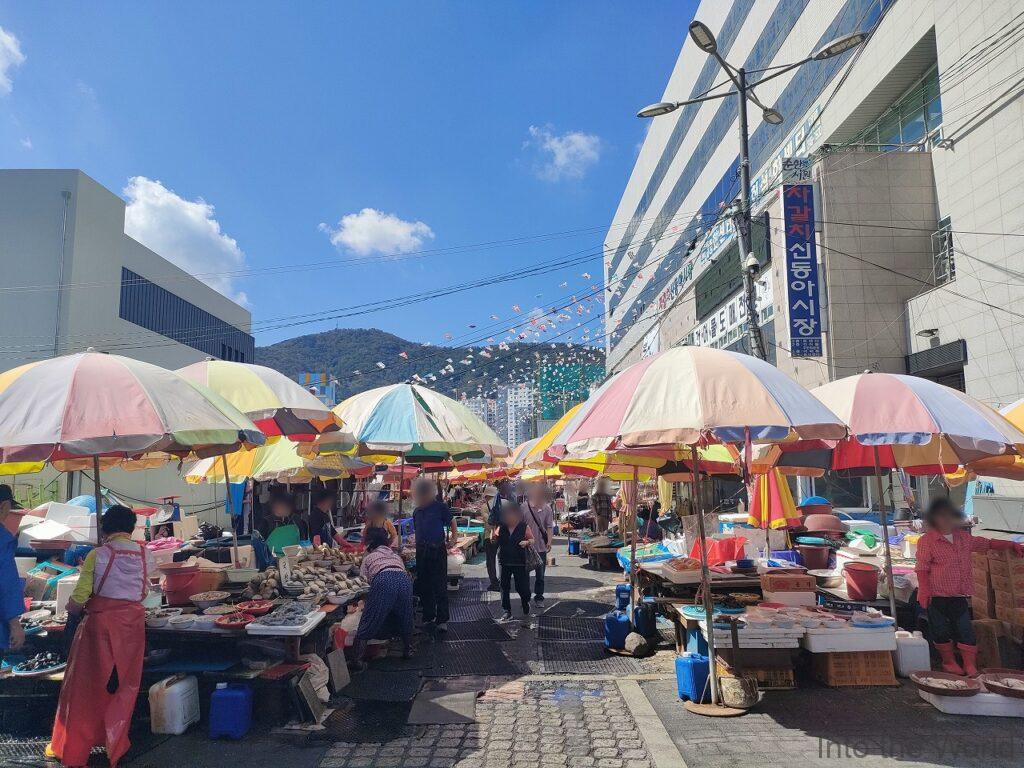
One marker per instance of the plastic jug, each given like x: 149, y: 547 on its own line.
x: 574, y: 546
x: 623, y: 594
x: 616, y: 627
x: 692, y: 672
x: 645, y: 620
x: 174, y: 704
x: 230, y: 711
x: 912, y: 653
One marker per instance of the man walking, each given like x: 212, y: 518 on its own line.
x: 435, y: 532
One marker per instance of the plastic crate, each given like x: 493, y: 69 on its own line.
x: 858, y: 668
x: 774, y: 679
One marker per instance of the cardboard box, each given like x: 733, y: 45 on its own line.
x: 999, y: 562
x: 979, y: 562
x: 787, y: 582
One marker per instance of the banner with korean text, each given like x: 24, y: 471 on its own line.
x: 803, y: 301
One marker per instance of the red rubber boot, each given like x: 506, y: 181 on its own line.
x: 948, y: 658
x: 969, y: 654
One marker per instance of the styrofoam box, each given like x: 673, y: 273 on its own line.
x: 795, y: 599
x: 843, y: 639
x: 985, y: 704
x: 299, y: 630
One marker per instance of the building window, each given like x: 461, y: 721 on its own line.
x: 943, y: 262
x: 156, y: 309
x: 912, y: 123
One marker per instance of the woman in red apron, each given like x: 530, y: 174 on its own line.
x: 104, y: 669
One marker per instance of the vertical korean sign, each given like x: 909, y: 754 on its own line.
x: 801, y: 269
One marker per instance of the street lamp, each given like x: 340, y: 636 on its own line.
x: 704, y: 38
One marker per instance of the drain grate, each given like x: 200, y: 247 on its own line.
x: 583, y: 658
x: 570, y: 608
x: 574, y: 628
x: 483, y: 629
x: 366, y: 721
x: 461, y: 612
x: 383, y: 685
x: 466, y: 596
x: 472, y: 657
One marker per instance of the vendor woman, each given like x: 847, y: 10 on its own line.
x: 377, y: 517
x: 388, y: 610
x: 104, y: 668
x: 945, y: 583
x: 282, y: 512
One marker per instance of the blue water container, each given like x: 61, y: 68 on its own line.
x: 645, y: 620
x: 623, y: 594
x: 695, y: 641
x: 616, y: 627
x: 574, y: 546
x: 692, y: 677
x: 230, y: 711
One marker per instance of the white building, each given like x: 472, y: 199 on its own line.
x: 517, y: 403
x: 73, y: 279
x: 915, y: 146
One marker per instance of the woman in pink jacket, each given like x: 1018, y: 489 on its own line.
x: 945, y: 583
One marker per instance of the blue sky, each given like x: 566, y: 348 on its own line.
x: 249, y: 136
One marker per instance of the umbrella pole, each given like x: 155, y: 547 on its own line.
x: 401, y: 483
x: 98, y: 494
x: 705, y: 577
x: 231, y: 508
x: 632, y: 547
x: 882, y: 516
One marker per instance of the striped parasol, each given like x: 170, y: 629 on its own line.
x: 278, y: 405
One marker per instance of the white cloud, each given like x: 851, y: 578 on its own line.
x: 565, y: 156
x: 26, y: 143
x: 184, y: 232
x: 374, y: 232
x: 10, y: 58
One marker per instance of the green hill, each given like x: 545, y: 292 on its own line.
x: 342, y: 352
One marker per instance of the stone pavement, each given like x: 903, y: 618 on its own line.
x: 817, y: 726
x: 558, y: 724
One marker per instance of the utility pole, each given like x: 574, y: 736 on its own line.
x: 748, y: 262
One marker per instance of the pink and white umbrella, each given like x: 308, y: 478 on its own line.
x: 97, y: 406
x: 922, y: 422
x: 696, y: 395
x: 688, y: 396
x: 889, y: 409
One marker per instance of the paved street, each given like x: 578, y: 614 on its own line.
x: 550, y: 696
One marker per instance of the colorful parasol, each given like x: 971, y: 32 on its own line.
x: 413, y: 422
x: 1006, y: 466
x: 97, y: 406
x: 691, y: 396
x: 772, y: 505
x: 278, y: 405
x: 278, y: 461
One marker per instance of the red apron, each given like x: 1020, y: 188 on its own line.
x: 112, y: 634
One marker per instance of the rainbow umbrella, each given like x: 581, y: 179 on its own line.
x: 772, y: 505
x: 692, y: 396
x: 902, y: 422
x: 1006, y: 466
x: 278, y: 405
x: 278, y: 460
x: 417, y: 424
x: 93, y: 406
